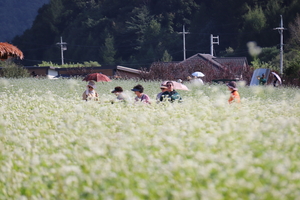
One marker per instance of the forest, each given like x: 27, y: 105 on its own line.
x: 135, y: 33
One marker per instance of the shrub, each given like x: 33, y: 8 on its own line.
x: 173, y: 71
x: 12, y: 70
x: 71, y: 65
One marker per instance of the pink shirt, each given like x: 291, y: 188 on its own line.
x: 144, y: 98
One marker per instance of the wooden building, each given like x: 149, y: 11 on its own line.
x: 110, y: 71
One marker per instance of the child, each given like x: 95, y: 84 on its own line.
x: 234, y: 96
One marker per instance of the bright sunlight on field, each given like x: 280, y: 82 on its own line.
x: 56, y: 146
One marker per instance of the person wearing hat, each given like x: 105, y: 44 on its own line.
x: 170, y: 94
x: 90, y: 93
x: 234, y: 96
x: 140, y: 96
x: 118, y: 91
x: 163, y: 88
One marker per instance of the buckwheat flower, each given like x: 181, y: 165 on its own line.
x: 71, y: 180
x: 70, y: 168
x: 58, y: 157
x: 280, y: 169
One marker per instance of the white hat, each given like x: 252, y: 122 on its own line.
x: 92, y: 84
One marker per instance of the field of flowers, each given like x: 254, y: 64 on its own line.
x: 53, y: 145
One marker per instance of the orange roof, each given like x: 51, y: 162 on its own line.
x: 8, y: 50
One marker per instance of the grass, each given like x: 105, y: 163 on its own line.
x: 53, y: 145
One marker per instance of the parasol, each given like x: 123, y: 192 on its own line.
x: 177, y: 86
x: 198, y: 74
x: 8, y: 50
x: 96, y: 77
x: 277, y: 76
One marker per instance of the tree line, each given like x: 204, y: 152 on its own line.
x: 136, y: 33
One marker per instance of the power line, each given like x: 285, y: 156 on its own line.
x: 183, y: 33
x: 63, y: 47
x: 280, y: 30
x: 213, y: 40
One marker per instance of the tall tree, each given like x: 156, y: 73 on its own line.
x: 108, y: 51
x: 142, y: 31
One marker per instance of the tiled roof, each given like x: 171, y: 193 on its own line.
x: 205, y: 57
x: 232, y: 61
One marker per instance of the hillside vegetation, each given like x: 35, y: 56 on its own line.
x: 136, y: 33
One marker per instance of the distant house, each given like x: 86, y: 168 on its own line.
x: 212, y: 67
x: 110, y: 71
x: 126, y: 72
x: 49, y: 72
x: 83, y: 71
x: 235, y: 65
x: 206, y: 59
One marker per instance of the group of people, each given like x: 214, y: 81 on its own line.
x: 168, y: 93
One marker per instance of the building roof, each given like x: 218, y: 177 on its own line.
x: 229, y: 61
x: 205, y: 57
x: 37, y: 67
x: 127, y: 69
x: 220, y: 63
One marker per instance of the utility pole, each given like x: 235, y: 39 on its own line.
x: 183, y: 33
x: 63, y: 47
x: 280, y: 30
x: 213, y: 40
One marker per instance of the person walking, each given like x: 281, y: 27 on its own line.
x: 234, y: 95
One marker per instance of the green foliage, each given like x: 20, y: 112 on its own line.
x: 255, y: 19
x: 294, y: 29
x: 47, y: 64
x: 166, y: 57
x: 268, y: 54
x: 229, y: 50
x: 91, y: 64
x: 293, y: 67
x: 257, y: 63
x: 68, y: 65
x: 138, y: 32
x: 139, y: 24
x: 12, y: 70
x: 108, y: 51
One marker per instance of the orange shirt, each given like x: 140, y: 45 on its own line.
x: 234, y: 97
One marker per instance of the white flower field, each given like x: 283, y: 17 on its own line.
x: 53, y: 145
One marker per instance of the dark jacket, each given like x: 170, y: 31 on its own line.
x: 171, y: 96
